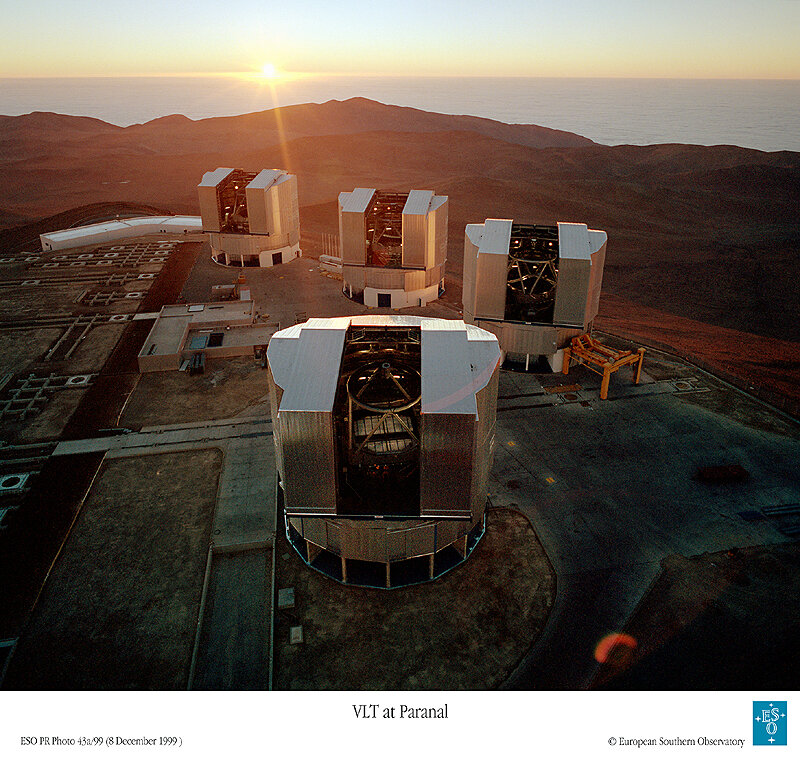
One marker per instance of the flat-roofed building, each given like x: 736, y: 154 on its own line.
x: 211, y: 329
x: 535, y: 287
x: 114, y: 230
x: 393, y: 246
x: 252, y: 218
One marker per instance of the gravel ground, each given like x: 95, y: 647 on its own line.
x: 466, y: 630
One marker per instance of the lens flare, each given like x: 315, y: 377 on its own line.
x: 615, y: 649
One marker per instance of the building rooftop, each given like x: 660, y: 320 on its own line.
x: 171, y: 330
x: 133, y: 226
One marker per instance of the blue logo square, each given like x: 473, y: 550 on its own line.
x: 769, y: 724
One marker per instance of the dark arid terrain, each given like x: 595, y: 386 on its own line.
x: 698, y: 236
x: 667, y: 512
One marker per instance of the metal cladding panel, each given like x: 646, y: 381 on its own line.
x: 385, y: 278
x: 258, y: 220
x: 447, y: 384
x: 415, y: 228
x: 484, y: 356
x: 472, y: 240
x: 304, y: 371
x: 314, y: 529
x: 574, y: 273
x: 446, y: 462
x: 457, y: 362
x: 597, y: 245
x: 275, y: 395
x: 522, y: 338
x: 241, y: 244
x: 484, y: 444
x: 436, y: 249
x: 485, y: 364
x: 334, y: 536
x: 572, y: 292
x: 492, y: 270
x: 434, y: 275
x: 207, y: 194
x: 414, y: 279
x: 420, y: 540
x: 490, y: 285
x: 284, y: 207
x: 496, y: 236
x: 353, y: 238
x: 354, y: 275
x: 281, y: 352
x: 487, y: 375
x: 565, y: 336
x: 364, y: 542
x: 448, y: 532
x: 396, y: 545
x: 306, y: 439
x: 415, y: 238
x: 209, y: 211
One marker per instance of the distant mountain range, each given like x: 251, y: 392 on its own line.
x: 708, y: 233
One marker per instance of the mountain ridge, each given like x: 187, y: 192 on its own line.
x: 704, y: 232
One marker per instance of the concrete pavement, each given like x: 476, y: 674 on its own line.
x: 609, y: 488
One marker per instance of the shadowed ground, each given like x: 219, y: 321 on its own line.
x: 466, y: 630
x: 120, y: 607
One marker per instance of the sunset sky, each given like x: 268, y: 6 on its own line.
x: 574, y: 38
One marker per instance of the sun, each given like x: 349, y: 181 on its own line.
x: 268, y: 70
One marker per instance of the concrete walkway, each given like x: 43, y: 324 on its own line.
x: 178, y: 434
x: 234, y: 645
x: 245, y: 514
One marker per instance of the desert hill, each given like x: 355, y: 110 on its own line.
x: 41, y: 133
x: 703, y: 233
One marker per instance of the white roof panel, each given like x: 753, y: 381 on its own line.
x: 185, y: 220
x: 386, y: 320
x: 457, y: 361
x: 418, y: 203
x: 215, y: 177
x: 596, y: 240
x: 573, y: 241
x: 474, y: 232
x: 496, y: 236
x: 133, y: 226
x: 357, y: 200
x: 447, y: 383
x: 437, y: 201
x: 314, y: 376
x: 265, y: 178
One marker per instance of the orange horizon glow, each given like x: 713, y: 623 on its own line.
x: 664, y: 39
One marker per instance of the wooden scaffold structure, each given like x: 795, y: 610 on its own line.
x: 601, y: 359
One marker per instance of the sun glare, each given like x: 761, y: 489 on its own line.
x: 269, y: 70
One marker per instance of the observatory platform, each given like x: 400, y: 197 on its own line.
x: 384, y: 430
x: 393, y: 246
x: 252, y: 218
x: 534, y: 286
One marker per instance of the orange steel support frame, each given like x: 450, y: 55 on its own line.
x: 601, y: 359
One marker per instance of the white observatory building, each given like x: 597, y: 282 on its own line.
x: 393, y: 246
x: 384, y: 435
x: 535, y: 287
x: 252, y: 218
